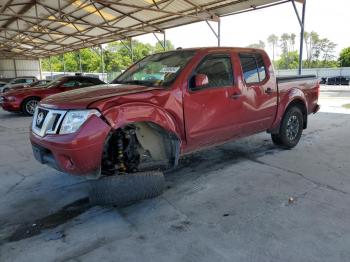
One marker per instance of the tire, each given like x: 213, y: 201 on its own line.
x: 123, y: 190
x: 28, y: 106
x: 291, y: 128
x: 5, y: 90
x: 276, y: 139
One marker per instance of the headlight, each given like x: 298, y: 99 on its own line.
x: 75, y: 118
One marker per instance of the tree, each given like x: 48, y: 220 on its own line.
x: 168, y: 46
x: 273, y: 41
x: 317, y: 48
x: 344, y: 57
x: 260, y: 45
x: 289, y: 60
x: 292, y: 41
x: 117, y: 57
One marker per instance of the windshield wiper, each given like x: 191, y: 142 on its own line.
x: 136, y: 82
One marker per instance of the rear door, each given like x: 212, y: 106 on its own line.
x: 208, y: 116
x: 260, y: 99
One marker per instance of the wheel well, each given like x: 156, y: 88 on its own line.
x: 301, y: 105
x: 26, y: 99
x: 162, y: 146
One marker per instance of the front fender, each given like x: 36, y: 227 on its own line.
x: 140, y: 112
x: 293, y: 95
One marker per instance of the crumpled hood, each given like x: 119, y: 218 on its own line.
x: 83, y: 97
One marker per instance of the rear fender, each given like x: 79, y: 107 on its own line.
x: 294, y: 96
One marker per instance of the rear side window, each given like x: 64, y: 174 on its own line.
x: 70, y: 83
x: 86, y: 82
x: 253, y: 67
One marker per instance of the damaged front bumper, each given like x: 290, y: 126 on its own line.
x: 79, y: 153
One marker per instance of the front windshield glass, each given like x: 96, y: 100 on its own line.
x: 156, y: 70
x: 54, y: 83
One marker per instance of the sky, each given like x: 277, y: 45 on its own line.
x: 329, y: 18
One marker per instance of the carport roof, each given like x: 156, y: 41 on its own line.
x: 41, y: 28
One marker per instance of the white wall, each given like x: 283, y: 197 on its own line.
x: 10, y: 68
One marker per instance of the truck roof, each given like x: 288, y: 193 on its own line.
x: 237, y: 49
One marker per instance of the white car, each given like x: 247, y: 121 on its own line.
x: 17, y: 81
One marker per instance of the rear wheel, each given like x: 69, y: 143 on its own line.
x: 29, y: 105
x: 5, y: 90
x: 291, y: 128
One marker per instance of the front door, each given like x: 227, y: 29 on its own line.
x: 208, y: 109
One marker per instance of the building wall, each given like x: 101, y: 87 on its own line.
x: 10, y: 68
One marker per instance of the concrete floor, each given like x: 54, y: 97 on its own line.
x: 229, y: 203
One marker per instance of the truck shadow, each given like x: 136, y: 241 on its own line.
x: 201, y: 163
x: 191, y: 167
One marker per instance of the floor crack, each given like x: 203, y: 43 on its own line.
x: 299, y: 174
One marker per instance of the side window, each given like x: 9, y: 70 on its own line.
x: 28, y: 81
x: 261, y: 67
x: 20, y: 81
x: 253, y: 68
x: 218, y: 69
x: 71, y: 83
x: 250, y: 70
x: 85, y: 82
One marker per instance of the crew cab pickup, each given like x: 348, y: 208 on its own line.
x: 170, y: 104
x: 25, y: 100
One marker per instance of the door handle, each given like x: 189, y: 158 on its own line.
x: 235, y: 95
x: 268, y: 90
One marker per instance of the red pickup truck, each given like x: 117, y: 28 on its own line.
x: 170, y: 104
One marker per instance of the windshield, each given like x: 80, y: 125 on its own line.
x: 54, y: 83
x: 156, y: 70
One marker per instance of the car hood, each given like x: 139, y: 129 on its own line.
x: 23, y: 91
x: 82, y: 98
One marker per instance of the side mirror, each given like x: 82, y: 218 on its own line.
x: 201, y: 80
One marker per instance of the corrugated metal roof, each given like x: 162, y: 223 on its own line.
x: 40, y: 28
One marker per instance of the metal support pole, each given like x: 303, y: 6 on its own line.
x: 164, y: 41
x: 50, y: 66
x: 64, y: 64
x: 131, y: 51
x: 15, y: 67
x: 302, y: 38
x: 219, y: 33
x: 80, y: 66
x: 40, y: 71
x: 102, y: 63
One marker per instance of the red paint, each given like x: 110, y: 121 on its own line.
x: 13, y: 99
x: 201, y: 118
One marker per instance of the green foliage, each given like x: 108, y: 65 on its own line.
x: 116, y: 57
x: 260, y: 45
x: 288, y: 60
x: 344, y: 57
x: 319, y: 51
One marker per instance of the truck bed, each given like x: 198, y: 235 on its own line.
x: 282, y: 79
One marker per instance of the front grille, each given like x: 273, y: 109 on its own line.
x: 47, y: 121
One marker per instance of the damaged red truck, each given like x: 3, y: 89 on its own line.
x: 170, y: 104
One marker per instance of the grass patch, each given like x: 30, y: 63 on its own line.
x: 347, y: 106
